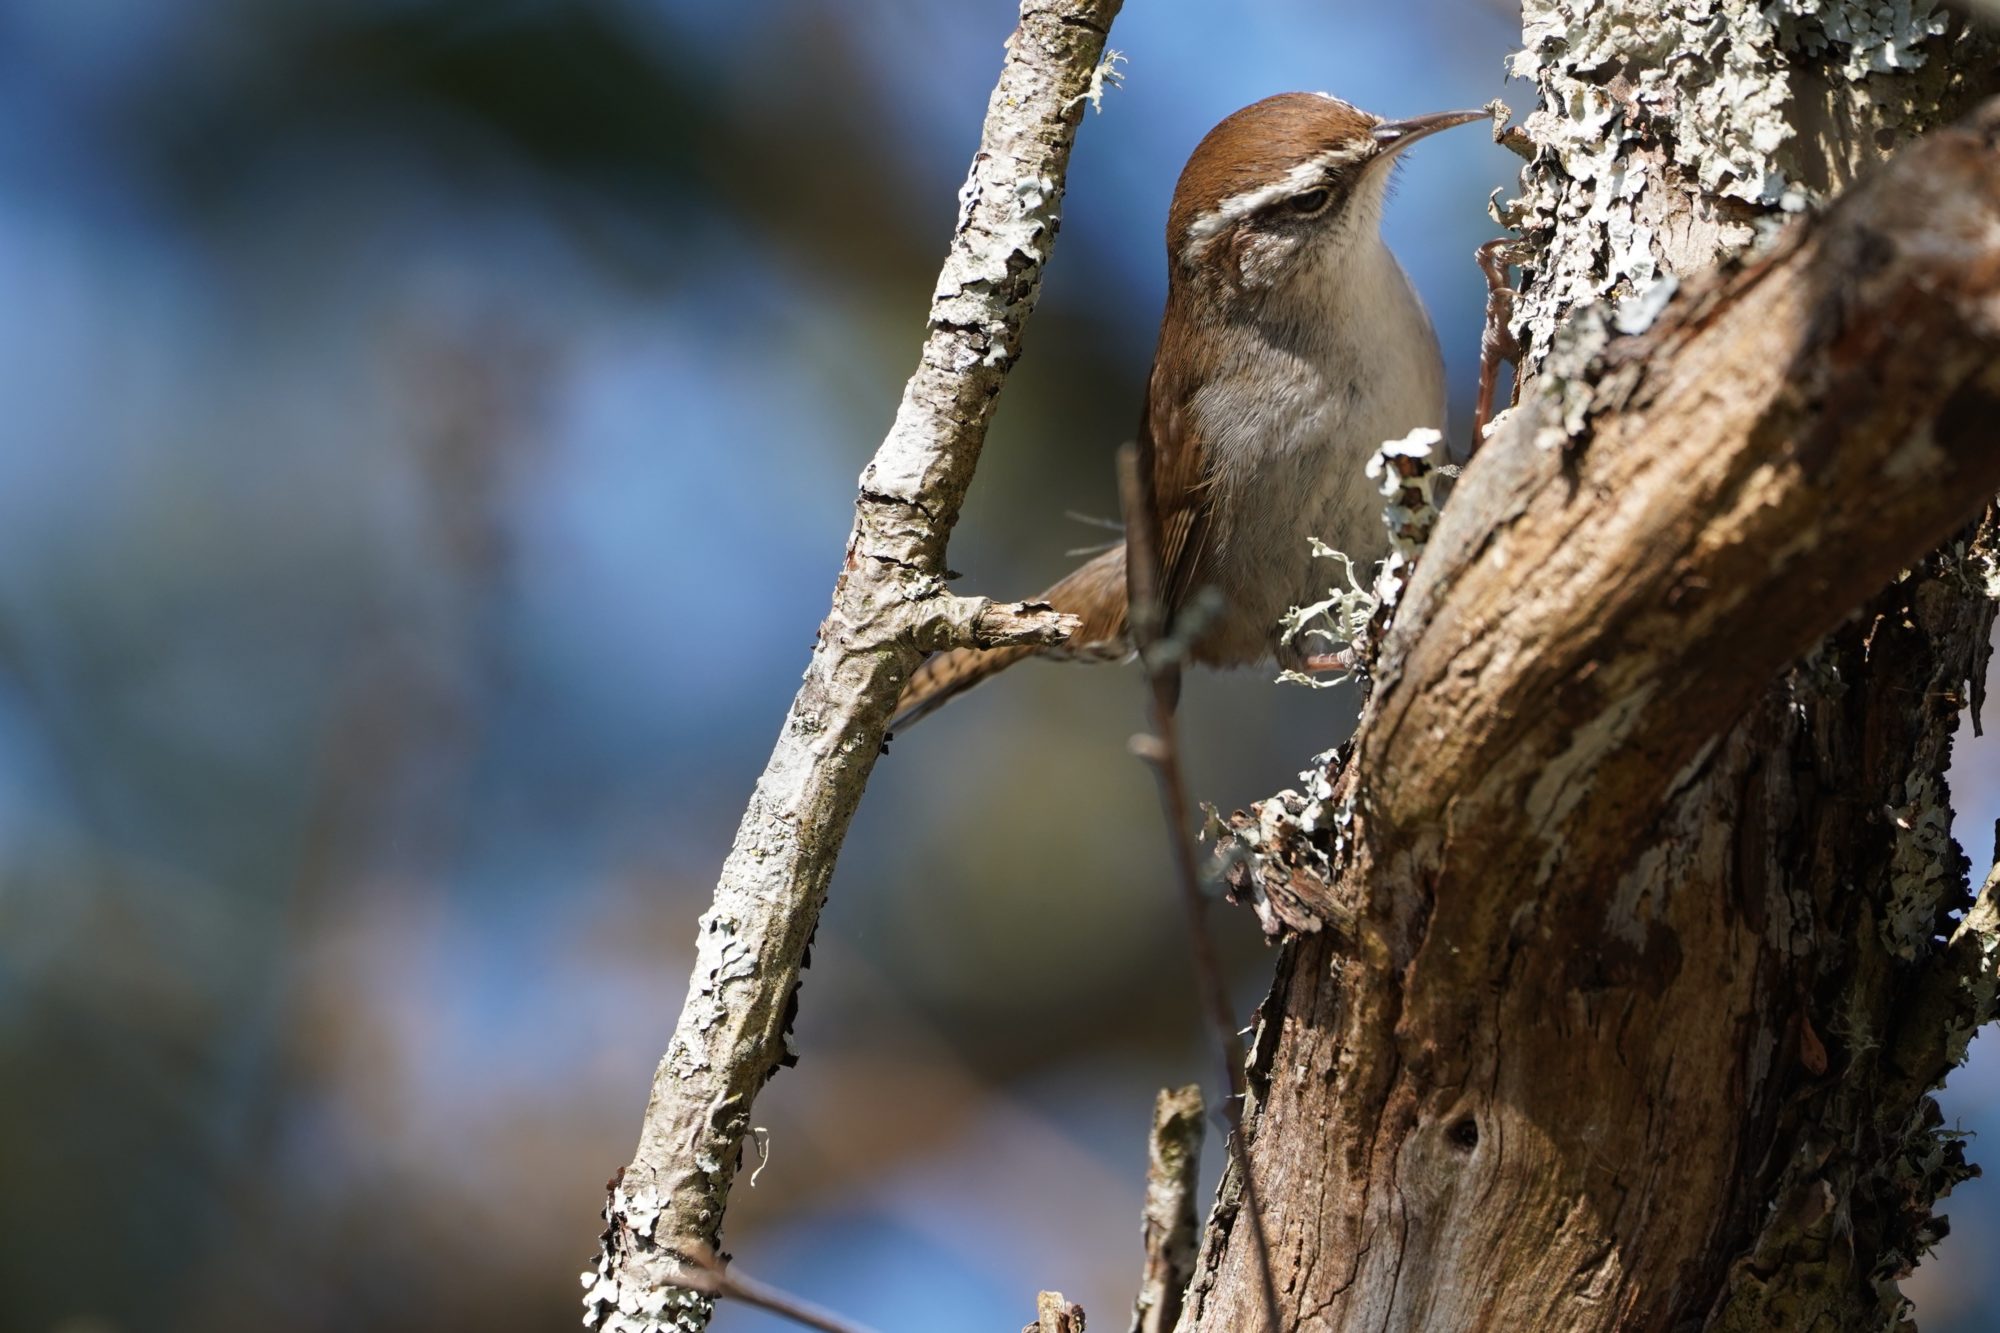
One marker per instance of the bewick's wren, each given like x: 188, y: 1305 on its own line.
x: 1292, y: 346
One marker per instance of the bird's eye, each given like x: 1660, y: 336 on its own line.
x: 1310, y: 202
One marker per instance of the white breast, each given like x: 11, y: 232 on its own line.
x: 1340, y: 362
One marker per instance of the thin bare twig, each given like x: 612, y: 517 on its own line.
x: 709, y: 1274
x: 1161, y: 751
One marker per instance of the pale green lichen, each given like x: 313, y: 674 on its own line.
x: 1879, y: 38
x: 1705, y: 85
x: 1409, y: 481
x: 1566, y: 393
x: 632, y: 1219
x: 1339, y: 620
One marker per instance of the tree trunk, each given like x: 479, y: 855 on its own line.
x: 1645, y: 962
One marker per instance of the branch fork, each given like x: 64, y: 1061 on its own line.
x: 889, y: 606
x: 949, y: 621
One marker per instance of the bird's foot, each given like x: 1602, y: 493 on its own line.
x: 1497, y: 342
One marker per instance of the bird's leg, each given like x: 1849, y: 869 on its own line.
x: 1344, y: 661
x: 1496, y: 342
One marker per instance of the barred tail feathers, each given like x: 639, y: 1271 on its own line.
x: 945, y: 676
x: 1095, y: 593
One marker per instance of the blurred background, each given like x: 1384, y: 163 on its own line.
x: 430, y: 436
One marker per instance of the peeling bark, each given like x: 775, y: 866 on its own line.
x: 1643, y: 967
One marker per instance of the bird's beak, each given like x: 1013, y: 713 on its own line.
x: 1396, y: 135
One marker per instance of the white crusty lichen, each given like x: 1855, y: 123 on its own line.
x: 1625, y: 89
x: 992, y: 245
x: 632, y: 1219
x: 1407, y: 475
x: 1702, y: 68
x: 723, y: 959
x: 1562, y: 399
x: 1298, y: 834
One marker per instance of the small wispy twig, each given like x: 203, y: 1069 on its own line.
x: 1093, y: 521
x: 709, y: 1275
x: 1161, y: 751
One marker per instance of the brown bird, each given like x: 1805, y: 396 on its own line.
x: 1292, y: 346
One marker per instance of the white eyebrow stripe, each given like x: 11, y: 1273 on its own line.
x: 1301, y: 177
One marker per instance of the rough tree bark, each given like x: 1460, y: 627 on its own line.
x: 1647, y: 964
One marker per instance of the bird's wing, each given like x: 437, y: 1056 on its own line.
x: 1172, y: 456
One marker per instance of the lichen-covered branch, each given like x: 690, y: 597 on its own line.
x: 890, y: 606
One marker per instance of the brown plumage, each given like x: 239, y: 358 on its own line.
x: 1291, y: 346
